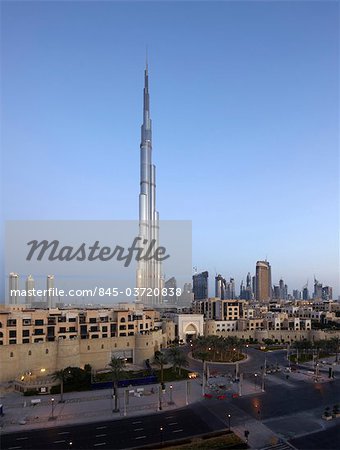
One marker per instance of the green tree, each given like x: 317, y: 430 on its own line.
x: 117, y: 366
x: 62, y: 376
x: 160, y: 359
x: 178, y: 360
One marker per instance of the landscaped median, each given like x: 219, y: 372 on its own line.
x: 216, y: 440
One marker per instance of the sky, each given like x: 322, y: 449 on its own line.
x: 245, y: 110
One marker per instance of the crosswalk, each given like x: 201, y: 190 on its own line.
x: 279, y: 446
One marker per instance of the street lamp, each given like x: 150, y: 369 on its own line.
x: 255, y: 379
x: 52, y: 404
x: 161, y: 431
x: 171, y: 400
x: 70, y: 444
x: 229, y: 416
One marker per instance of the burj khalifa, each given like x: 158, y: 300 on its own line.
x: 149, y: 272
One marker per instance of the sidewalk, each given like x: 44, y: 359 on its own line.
x: 92, y: 406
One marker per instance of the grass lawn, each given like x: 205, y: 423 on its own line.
x: 227, y: 441
x: 168, y: 373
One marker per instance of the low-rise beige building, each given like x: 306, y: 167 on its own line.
x: 33, y: 340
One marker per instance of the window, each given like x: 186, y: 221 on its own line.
x: 11, y: 355
x: 12, y: 334
x: 122, y: 327
x: 72, y: 319
x: 128, y: 344
x: 88, y: 347
x: 104, y: 329
x: 122, y: 319
x: 25, y: 341
x: 11, y: 322
x: 104, y: 335
x: 29, y: 353
x: 46, y: 351
x: 95, y: 336
x: 25, y: 333
x: 93, y: 320
x: 39, y: 322
x: 12, y: 341
x: 39, y: 331
x: 72, y: 329
x: 102, y: 346
x: 62, y: 330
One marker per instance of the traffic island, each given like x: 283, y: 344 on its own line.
x: 217, y: 441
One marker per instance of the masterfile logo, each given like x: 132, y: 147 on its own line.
x: 141, y: 249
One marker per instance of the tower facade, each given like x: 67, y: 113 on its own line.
x: 149, y: 272
x: 50, y: 293
x: 29, y: 284
x: 200, y: 285
x: 263, y: 284
x: 13, y: 286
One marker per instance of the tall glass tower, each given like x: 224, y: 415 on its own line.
x: 149, y: 273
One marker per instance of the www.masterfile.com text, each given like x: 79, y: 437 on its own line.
x: 100, y: 291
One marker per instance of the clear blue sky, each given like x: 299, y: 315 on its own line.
x: 245, y: 109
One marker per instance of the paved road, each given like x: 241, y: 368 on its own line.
x: 121, y: 434
x: 326, y: 440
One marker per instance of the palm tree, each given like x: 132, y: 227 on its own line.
x: 179, y: 361
x: 117, y: 366
x: 61, y: 375
x: 161, y: 359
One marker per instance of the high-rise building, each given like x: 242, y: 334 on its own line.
x: 171, y: 285
x: 30, y: 297
x: 187, y: 296
x: 13, y: 288
x: 327, y: 293
x: 200, y: 285
x: 50, y: 291
x: 230, y: 289
x: 220, y: 287
x: 149, y: 272
x: 317, y: 295
x: 305, y: 293
x: 263, y: 281
x: 296, y: 294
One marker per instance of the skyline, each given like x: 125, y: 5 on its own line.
x: 72, y: 91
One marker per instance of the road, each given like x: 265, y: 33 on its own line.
x: 288, y: 407
x: 120, y: 434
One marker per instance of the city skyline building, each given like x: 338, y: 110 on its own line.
x: 13, y: 286
x: 200, y: 285
x: 263, y: 283
x: 50, y: 286
x: 29, y: 286
x: 149, y: 272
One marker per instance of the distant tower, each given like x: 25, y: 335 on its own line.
x: 149, y: 273
x: 29, y: 288
x: 220, y: 287
x: 263, y: 281
x: 171, y: 285
x: 50, y: 287
x: 13, y: 286
x: 200, y: 285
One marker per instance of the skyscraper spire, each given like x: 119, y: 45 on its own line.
x: 148, y: 272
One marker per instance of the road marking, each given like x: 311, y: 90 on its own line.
x: 138, y: 429
x: 58, y: 442
x: 64, y: 432
x: 22, y: 439
x: 169, y: 417
x: 138, y: 421
x: 100, y: 435
x: 140, y: 437
x: 100, y: 443
x: 12, y: 448
x: 177, y: 431
x: 100, y: 428
x: 173, y: 423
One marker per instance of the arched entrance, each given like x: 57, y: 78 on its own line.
x: 191, y: 332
